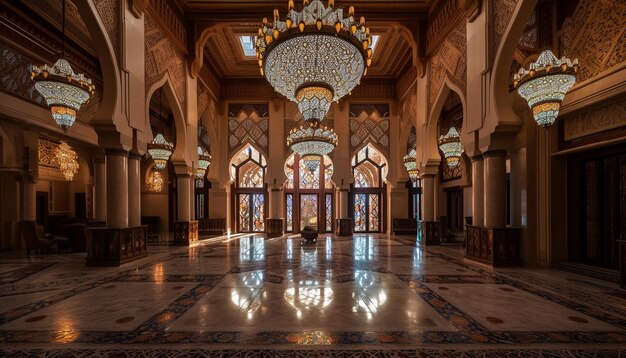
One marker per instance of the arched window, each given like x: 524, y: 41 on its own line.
x: 369, y: 167
x: 248, y: 173
x: 308, y: 195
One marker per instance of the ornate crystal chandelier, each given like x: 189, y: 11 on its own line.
x: 411, y: 165
x: 160, y: 150
x: 312, y: 141
x: 314, y: 57
x: 544, y: 85
x: 68, y: 160
x: 63, y: 90
x: 450, y: 145
x: 204, y: 160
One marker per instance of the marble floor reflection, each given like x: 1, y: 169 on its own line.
x: 250, y: 295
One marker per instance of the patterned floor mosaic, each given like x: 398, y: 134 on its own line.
x: 253, y: 296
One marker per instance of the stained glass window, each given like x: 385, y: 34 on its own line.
x: 308, y: 210
x: 258, y: 212
x: 360, y: 212
x: 248, y: 168
x: 329, y: 212
x: 308, y: 179
x: 373, y: 212
x: 370, y: 168
x: 289, y: 212
x: 244, y: 212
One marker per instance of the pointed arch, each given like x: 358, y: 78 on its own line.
x: 430, y: 153
x: 165, y: 82
x: 197, y: 61
x: 110, y: 104
x: 500, y: 100
x: 237, y: 152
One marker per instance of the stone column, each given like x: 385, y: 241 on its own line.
x: 100, y: 191
x: 29, y: 205
x: 184, y: 202
x: 343, y: 202
x: 495, y: 189
x: 116, y: 188
x: 477, y: 190
x: 428, y: 197
x: 134, y: 189
x: 345, y: 225
x: 274, y: 224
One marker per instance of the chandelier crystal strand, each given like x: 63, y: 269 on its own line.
x: 68, y: 160
x: 63, y: 90
x: 204, y: 160
x: 544, y: 85
x: 450, y: 145
x: 160, y: 150
x: 411, y: 165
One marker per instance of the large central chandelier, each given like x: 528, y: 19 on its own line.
x: 314, y: 57
x: 160, y: 150
x: 411, y: 165
x: 544, y: 85
x: 68, y: 160
x: 450, y: 145
x: 204, y: 160
x: 63, y: 90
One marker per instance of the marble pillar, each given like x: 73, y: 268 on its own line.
x: 428, y: 197
x: 274, y: 225
x: 100, y: 191
x: 134, y: 189
x: 117, y: 188
x: 343, y: 202
x: 345, y: 225
x: 477, y: 190
x: 495, y: 189
x: 184, y: 202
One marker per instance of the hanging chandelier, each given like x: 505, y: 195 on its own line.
x: 450, y: 145
x: 312, y: 141
x: 411, y: 165
x: 160, y: 150
x: 544, y: 85
x: 204, y: 160
x: 314, y: 57
x: 63, y: 90
x: 157, y: 181
x: 68, y: 160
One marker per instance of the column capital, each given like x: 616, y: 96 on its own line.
x: 477, y: 157
x: 134, y: 155
x: 116, y: 151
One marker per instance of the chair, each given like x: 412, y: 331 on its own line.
x: 28, y: 231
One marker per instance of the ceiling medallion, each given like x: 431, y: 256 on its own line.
x: 314, y: 57
x: 63, y: 90
x: 68, y: 160
x: 411, y: 165
x: 204, y: 160
x: 160, y: 150
x: 450, y: 145
x: 544, y: 85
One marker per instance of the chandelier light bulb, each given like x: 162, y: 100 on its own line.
x: 544, y: 85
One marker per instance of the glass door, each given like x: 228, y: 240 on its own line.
x: 308, y: 210
x: 251, y: 212
x: 366, y: 212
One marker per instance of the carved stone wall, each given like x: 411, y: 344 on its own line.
x: 74, y: 25
x: 369, y: 123
x: 110, y: 14
x: 450, y: 59
x: 248, y: 123
x: 47, y: 158
x: 501, y: 12
x: 595, y: 35
x: 161, y: 56
x: 408, y: 106
x: 607, y: 116
x: 411, y: 142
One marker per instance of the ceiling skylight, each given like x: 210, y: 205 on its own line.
x: 248, y: 44
x: 375, y: 39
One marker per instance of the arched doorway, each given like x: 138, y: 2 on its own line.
x: 309, y: 199
x: 248, y: 173
x: 367, y: 204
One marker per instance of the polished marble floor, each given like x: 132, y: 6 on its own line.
x: 252, y: 296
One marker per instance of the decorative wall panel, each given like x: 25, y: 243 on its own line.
x: 501, y: 14
x: 110, y: 13
x: 248, y: 123
x: 369, y: 123
x: 595, y: 35
x: 409, y: 104
x: 161, y: 56
x: 601, y: 118
x: 412, y: 140
x: 449, y: 60
x: 47, y: 158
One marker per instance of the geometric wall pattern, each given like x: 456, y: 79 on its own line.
x: 449, y: 60
x: 248, y: 123
x: 369, y: 123
x: 47, y: 158
x: 412, y: 140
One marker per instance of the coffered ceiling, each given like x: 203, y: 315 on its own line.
x: 231, y: 19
